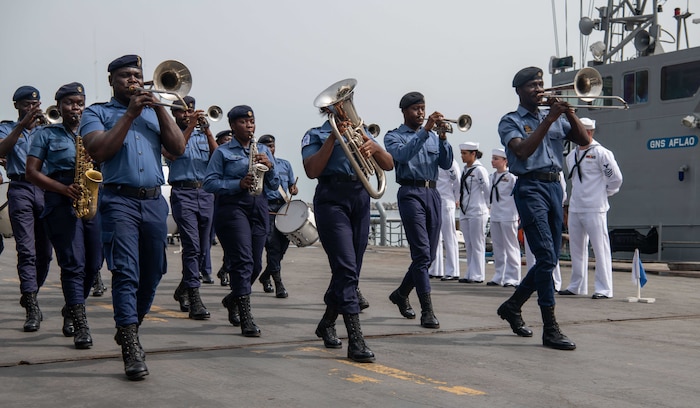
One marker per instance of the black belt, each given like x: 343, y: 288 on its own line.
x: 338, y: 178
x: 539, y: 175
x: 417, y: 183
x: 17, y: 177
x: 62, y: 174
x: 141, y: 193
x: 186, y: 184
x: 276, y: 201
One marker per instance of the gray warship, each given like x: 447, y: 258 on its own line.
x: 656, y: 139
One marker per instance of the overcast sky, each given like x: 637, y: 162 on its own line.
x: 277, y: 56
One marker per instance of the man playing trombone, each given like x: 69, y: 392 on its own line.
x: 417, y: 153
x: 193, y: 208
x: 26, y: 202
x: 534, y: 142
x: 125, y: 135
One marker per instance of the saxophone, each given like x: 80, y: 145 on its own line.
x: 257, y: 170
x: 88, y: 180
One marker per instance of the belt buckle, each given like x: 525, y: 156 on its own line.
x: 427, y: 183
x: 141, y: 193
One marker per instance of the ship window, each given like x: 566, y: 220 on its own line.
x: 635, y: 87
x: 680, y: 81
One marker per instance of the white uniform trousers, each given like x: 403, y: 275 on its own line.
x: 448, y: 236
x: 530, y: 261
x: 583, y: 226
x: 437, y: 268
x: 474, y: 231
x: 506, y: 252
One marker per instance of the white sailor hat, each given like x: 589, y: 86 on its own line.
x: 589, y: 124
x: 498, y: 152
x: 469, y: 146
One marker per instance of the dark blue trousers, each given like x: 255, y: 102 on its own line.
x: 276, y: 245
x: 241, y: 223
x: 25, y: 205
x: 77, y: 244
x: 342, y: 219
x: 539, y: 204
x: 193, y: 212
x: 421, y: 217
x: 134, y: 238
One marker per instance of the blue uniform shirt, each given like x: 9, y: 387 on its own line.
x: 138, y: 163
x: 192, y: 165
x: 229, y: 164
x: 17, y: 157
x: 54, y: 145
x: 338, y: 163
x: 286, y: 176
x: 417, y: 155
x: 549, y: 154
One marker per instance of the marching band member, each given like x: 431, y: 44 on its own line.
x: 125, y: 135
x: 341, y: 208
x: 534, y: 141
x: 418, y: 153
x: 241, y: 218
x: 222, y: 137
x: 504, y: 223
x: 474, y: 189
x: 277, y: 243
x: 77, y: 241
x: 26, y: 203
x: 193, y: 208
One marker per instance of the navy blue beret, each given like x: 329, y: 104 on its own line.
x: 124, y: 61
x: 265, y: 139
x: 525, y: 75
x: 223, y: 134
x: 411, y: 98
x: 240, y: 111
x: 188, y: 100
x: 74, y: 88
x: 26, y: 92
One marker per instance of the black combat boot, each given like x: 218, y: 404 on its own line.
x: 98, y: 287
x: 248, y: 327
x: 132, y: 353
x: 197, y: 309
x: 357, y: 349
x: 266, y: 282
x: 280, y: 291
x: 404, y: 306
x: 34, y: 317
x: 223, y: 276
x: 82, y: 338
x: 180, y: 297
x: 510, y: 312
x: 427, y: 317
x: 551, y: 336
x: 230, y: 304
x: 68, y: 328
x: 326, y: 329
x: 364, y: 304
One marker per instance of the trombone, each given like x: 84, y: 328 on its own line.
x: 171, y: 81
x: 588, y: 85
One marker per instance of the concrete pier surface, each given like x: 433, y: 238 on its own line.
x: 628, y: 354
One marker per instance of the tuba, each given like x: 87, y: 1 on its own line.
x: 88, y: 180
x: 338, y: 99
x: 256, y: 169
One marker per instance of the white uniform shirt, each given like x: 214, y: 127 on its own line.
x: 501, y: 197
x: 448, y: 183
x: 475, y: 191
x: 595, y: 178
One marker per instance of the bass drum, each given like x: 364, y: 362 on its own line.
x: 5, y: 227
x: 296, y: 221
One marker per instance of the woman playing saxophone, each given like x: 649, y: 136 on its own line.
x: 77, y: 241
x: 240, y: 215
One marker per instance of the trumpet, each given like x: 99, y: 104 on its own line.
x: 464, y: 123
x: 214, y: 113
x: 171, y: 81
x: 51, y: 116
x: 337, y: 99
x: 588, y: 86
x: 374, y: 129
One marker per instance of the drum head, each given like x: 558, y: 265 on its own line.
x: 291, y: 216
